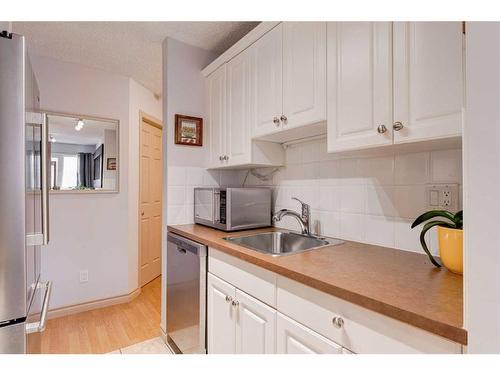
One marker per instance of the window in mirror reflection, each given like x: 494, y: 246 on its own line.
x: 80, y: 148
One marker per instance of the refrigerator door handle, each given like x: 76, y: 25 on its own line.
x: 45, y: 170
x: 40, y: 326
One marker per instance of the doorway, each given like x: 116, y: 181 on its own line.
x: 150, y: 198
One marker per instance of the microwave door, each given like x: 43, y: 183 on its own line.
x: 204, y: 211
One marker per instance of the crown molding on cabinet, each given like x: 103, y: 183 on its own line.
x: 240, y: 46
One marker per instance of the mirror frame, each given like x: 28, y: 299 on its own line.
x: 95, y: 118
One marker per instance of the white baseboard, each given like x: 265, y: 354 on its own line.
x: 92, y: 305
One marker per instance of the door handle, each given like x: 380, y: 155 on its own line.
x: 40, y: 326
x: 44, y: 174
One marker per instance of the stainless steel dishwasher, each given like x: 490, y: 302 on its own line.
x: 186, y: 294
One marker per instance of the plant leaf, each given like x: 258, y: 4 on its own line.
x: 431, y: 214
x: 426, y: 227
x: 459, y: 219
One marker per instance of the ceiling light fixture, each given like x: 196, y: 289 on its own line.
x: 79, y: 125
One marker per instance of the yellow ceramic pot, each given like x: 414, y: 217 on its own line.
x: 451, y: 246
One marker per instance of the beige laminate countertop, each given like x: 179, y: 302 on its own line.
x: 399, y: 284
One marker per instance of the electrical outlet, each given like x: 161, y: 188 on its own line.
x: 84, y: 276
x: 442, y: 197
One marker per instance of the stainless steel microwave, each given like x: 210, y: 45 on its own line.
x: 232, y: 209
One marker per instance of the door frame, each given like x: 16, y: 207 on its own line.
x: 153, y: 121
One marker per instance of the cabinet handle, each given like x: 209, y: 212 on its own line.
x: 338, y: 322
x: 397, y: 126
x: 229, y: 298
x: 235, y: 303
x: 276, y: 121
x: 283, y: 119
x: 381, y: 129
x: 226, y: 158
x: 221, y: 158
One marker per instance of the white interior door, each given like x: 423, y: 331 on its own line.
x: 304, y: 73
x: 220, y: 316
x: 428, y: 80
x: 294, y: 338
x: 255, y: 326
x: 217, y: 115
x: 267, y: 75
x: 239, y: 118
x: 359, y: 85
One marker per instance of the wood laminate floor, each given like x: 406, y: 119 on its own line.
x: 106, y: 329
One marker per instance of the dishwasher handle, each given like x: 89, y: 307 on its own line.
x: 185, y: 245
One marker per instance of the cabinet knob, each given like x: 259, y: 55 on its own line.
x: 229, y: 298
x: 283, y: 119
x: 235, y: 303
x: 381, y: 129
x: 397, y: 126
x: 276, y: 121
x: 338, y: 322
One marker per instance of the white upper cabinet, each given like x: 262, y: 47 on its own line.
x: 428, y: 80
x: 231, y: 88
x: 359, y: 85
x: 290, y: 81
x: 217, y: 113
x: 393, y: 87
x: 304, y: 73
x: 239, y: 117
x: 268, y: 76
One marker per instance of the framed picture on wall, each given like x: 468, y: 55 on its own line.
x: 111, y: 164
x: 188, y: 130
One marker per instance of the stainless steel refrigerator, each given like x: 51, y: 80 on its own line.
x: 24, y: 210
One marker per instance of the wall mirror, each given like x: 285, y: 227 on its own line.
x: 84, y: 153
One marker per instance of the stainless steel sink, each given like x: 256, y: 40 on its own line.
x: 282, y: 243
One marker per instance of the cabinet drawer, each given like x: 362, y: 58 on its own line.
x: 363, y: 331
x: 294, y: 338
x: 256, y: 281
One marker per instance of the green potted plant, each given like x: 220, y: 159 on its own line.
x: 450, y: 237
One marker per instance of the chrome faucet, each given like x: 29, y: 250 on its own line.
x: 304, y: 219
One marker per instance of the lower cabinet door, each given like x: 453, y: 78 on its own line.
x: 220, y: 316
x: 255, y: 326
x: 294, y: 338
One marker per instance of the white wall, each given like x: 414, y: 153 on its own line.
x: 141, y: 99
x: 183, y: 93
x: 93, y: 231
x: 481, y: 190
x: 4, y: 25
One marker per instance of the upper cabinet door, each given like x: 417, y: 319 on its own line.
x: 217, y: 115
x: 428, y: 80
x: 255, y: 326
x: 267, y: 75
x: 220, y: 316
x: 304, y: 73
x: 239, y: 118
x: 359, y: 85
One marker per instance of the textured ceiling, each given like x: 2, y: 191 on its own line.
x: 132, y: 49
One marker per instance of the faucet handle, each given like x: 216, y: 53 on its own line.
x: 305, y: 206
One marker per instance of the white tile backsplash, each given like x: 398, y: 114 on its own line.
x: 371, y: 199
x: 365, y: 199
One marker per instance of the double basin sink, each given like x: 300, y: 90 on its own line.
x: 282, y: 243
